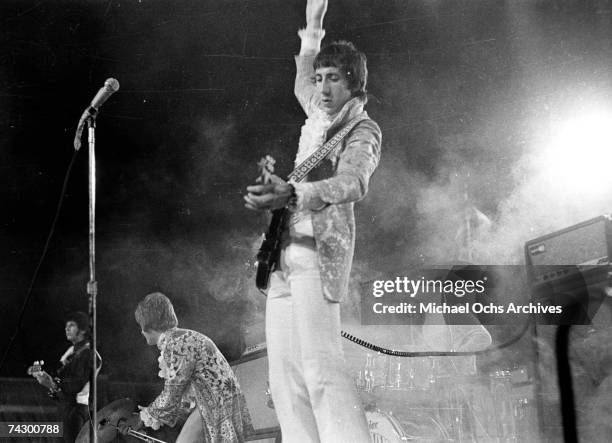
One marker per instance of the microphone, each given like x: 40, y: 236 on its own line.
x: 111, y: 86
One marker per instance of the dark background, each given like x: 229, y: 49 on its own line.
x: 463, y: 92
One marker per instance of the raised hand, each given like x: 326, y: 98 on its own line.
x: 315, y: 12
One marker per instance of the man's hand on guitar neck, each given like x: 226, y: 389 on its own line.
x: 269, y: 196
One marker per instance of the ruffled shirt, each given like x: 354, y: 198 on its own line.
x: 314, y: 134
x: 197, y: 375
x: 325, y: 206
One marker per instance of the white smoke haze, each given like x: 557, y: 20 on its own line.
x: 531, y: 204
x: 537, y: 206
x: 424, y: 217
x: 191, y: 269
x: 207, y: 281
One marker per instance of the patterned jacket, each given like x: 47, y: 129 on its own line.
x: 197, y: 375
x: 331, y: 199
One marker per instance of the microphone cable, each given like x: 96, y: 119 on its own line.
x: 40, y: 261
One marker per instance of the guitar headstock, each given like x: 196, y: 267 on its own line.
x: 266, y: 169
x: 36, y: 368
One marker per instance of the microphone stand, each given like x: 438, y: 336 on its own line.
x: 92, y: 285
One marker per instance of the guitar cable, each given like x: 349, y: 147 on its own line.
x: 395, y: 353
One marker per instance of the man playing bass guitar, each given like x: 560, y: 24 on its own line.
x: 314, y: 397
x: 71, y: 386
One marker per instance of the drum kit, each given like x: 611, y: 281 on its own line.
x: 417, y: 399
x: 109, y: 420
x: 437, y: 399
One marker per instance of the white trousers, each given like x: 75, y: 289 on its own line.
x: 314, y: 397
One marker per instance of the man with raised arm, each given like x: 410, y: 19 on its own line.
x: 314, y: 397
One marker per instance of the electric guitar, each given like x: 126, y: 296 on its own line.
x: 269, y: 251
x: 36, y: 370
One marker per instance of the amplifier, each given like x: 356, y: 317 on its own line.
x: 585, y: 249
x: 252, y: 373
x: 571, y: 268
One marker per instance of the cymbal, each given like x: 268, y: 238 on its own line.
x: 107, y: 418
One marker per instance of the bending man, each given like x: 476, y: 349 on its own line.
x: 199, y: 382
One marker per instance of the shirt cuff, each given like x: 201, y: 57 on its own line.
x: 311, y: 40
x: 306, y: 197
x: 148, y: 420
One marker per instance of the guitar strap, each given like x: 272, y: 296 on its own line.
x: 269, y: 252
x: 302, y: 170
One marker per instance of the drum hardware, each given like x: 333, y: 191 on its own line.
x: 415, y: 374
x: 269, y: 401
x: 385, y: 373
x: 375, y: 372
x: 108, y: 418
x: 396, y: 376
x: 141, y: 435
x: 384, y: 428
x: 465, y: 406
x: 109, y: 414
x: 144, y: 437
x: 460, y: 415
x: 420, y: 425
x: 525, y: 416
x: 501, y: 387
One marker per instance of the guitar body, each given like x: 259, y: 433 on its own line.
x: 270, y: 249
x: 36, y: 371
x: 269, y: 252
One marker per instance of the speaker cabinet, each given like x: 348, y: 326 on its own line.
x: 252, y: 373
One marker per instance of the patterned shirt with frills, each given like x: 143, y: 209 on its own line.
x: 197, y: 375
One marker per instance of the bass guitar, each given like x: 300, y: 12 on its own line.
x: 269, y: 251
x: 36, y: 371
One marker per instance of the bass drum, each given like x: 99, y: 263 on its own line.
x: 409, y: 425
x: 384, y: 428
